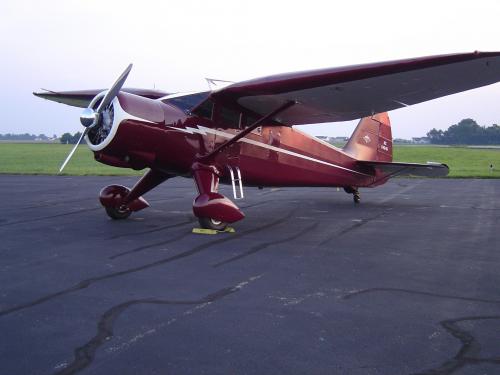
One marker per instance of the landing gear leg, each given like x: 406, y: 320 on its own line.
x: 149, y: 181
x: 120, y: 202
x: 355, y: 193
x: 213, y: 210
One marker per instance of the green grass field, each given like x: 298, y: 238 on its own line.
x: 29, y: 158
x: 463, y: 162
x: 32, y: 158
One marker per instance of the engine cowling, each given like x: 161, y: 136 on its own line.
x: 125, y: 133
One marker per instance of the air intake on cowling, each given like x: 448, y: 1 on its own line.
x: 99, y: 132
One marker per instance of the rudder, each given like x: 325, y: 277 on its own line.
x: 372, y: 139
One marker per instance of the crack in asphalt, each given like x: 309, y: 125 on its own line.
x: 469, y: 344
x: 87, y: 282
x: 265, y: 245
x: 355, y: 226
x: 469, y: 347
x: 189, y: 221
x: 261, y: 203
x: 174, y: 197
x: 410, y: 291
x: 145, y: 247
x: 84, y: 355
x: 49, y: 217
x: 140, y: 248
x: 157, y: 229
x: 50, y: 203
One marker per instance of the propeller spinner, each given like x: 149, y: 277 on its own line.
x: 91, y: 118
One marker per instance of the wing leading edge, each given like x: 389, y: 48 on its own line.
x: 353, y: 92
x: 83, y: 98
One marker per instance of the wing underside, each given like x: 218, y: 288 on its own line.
x: 348, y: 93
x: 339, y: 94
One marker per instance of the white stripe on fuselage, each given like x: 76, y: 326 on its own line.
x: 203, y: 131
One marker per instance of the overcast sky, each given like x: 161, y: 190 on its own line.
x: 174, y: 45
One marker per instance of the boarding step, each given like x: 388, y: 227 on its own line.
x: 236, y: 181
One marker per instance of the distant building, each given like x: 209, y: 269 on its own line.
x: 421, y: 140
x: 332, y: 139
x: 401, y: 141
x: 338, y: 139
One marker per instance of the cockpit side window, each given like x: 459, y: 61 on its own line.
x: 187, y: 102
x: 205, y: 109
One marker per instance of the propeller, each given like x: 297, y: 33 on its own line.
x: 91, y: 118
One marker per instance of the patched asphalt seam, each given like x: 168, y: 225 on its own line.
x: 189, y: 221
x: 355, y: 226
x: 50, y: 217
x: 84, y: 355
x: 260, y: 247
x: 469, y: 347
x: 157, y: 229
x: 51, y: 203
x: 469, y: 344
x: 145, y: 247
x: 87, y: 282
x: 428, y: 294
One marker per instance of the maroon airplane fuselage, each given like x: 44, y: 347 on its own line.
x: 243, y: 134
x: 161, y: 136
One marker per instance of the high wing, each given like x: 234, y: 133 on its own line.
x: 82, y: 98
x: 353, y: 92
x: 393, y: 169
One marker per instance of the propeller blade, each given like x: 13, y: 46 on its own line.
x: 115, y: 88
x: 73, y: 150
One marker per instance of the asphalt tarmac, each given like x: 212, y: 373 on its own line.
x: 407, y: 282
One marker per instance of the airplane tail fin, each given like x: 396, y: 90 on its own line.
x: 372, y: 139
x: 371, y: 145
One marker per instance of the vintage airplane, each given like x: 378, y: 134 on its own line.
x: 243, y: 134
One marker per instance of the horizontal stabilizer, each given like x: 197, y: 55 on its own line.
x: 387, y: 169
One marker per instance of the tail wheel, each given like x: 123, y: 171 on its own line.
x: 118, y: 213
x: 356, y: 197
x: 209, y: 223
x: 355, y: 193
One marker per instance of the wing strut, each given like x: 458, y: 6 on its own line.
x: 247, y: 130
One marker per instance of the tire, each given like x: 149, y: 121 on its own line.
x: 209, y: 223
x: 117, y: 213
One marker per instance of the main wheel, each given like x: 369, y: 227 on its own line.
x: 117, y: 213
x: 209, y: 223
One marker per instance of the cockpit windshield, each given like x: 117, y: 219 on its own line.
x: 186, y: 102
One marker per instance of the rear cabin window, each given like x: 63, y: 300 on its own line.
x: 248, y: 120
x: 229, y: 117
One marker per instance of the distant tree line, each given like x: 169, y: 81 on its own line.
x: 65, y: 138
x: 466, y: 132
x: 71, y: 139
x: 25, y: 137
